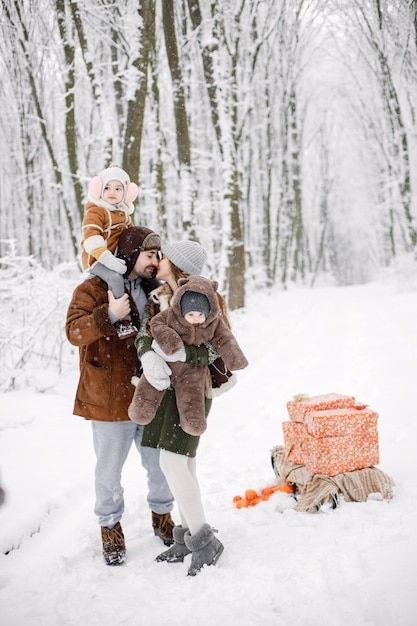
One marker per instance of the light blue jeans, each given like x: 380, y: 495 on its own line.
x: 112, y: 442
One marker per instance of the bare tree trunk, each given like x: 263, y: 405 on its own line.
x: 398, y: 159
x: 70, y: 126
x: 23, y: 42
x: 399, y: 136
x: 298, y: 266
x: 136, y: 106
x: 78, y: 24
x: 180, y: 114
x: 206, y: 53
x: 233, y: 240
x: 325, y: 187
x: 159, y: 166
x: 289, y: 222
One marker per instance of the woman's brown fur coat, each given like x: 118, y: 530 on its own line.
x: 170, y: 330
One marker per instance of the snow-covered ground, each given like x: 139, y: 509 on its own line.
x: 355, y: 565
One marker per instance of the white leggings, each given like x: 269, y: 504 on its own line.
x: 180, y: 472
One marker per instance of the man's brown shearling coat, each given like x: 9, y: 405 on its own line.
x: 107, y: 363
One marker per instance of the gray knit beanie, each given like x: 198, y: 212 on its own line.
x: 188, y: 256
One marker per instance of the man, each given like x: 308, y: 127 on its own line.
x: 107, y: 364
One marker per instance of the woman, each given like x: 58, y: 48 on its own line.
x: 178, y: 449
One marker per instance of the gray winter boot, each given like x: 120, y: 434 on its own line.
x: 205, y: 547
x: 179, y: 550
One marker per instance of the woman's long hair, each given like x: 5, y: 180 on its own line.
x: 177, y: 274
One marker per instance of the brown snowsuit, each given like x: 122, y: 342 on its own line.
x: 170, y: 330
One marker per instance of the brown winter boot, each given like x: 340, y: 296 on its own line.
x: 177, y: 552
x: 162, y: 527
x: 114, y: 548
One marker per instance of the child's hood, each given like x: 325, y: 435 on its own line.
x: 198, y: 284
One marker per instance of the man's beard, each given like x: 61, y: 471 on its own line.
x: 151, y: 271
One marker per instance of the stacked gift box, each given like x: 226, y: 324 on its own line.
x: 331, y: 434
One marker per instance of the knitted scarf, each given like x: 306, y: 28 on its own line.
x: 317, y: 489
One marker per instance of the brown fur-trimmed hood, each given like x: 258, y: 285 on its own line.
x: 171, y: 330
x: 199, y: 285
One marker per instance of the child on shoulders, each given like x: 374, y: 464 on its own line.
x: 107, y: 213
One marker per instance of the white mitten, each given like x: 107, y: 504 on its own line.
x: 155, y: 370
x: 179, y: 355
x: 112, y: 263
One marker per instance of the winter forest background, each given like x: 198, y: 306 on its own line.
x: 281, y: 134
